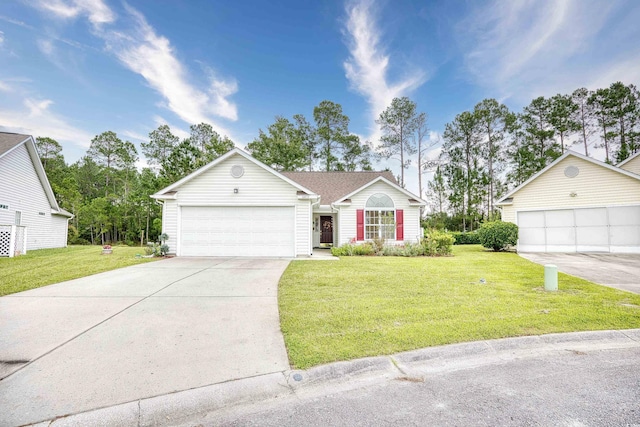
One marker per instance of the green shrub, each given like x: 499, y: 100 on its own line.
x: 353, y: 250
x: 498, y: 235
x: 438, y: 242
x: 466, y: 238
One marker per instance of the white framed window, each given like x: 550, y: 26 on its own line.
x: 18, y: 218
x: 380, y: 218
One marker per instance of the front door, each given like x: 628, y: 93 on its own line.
x: 326, y: 230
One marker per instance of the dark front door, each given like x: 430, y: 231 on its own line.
x: 326, y: 229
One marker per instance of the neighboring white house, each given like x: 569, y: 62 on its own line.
x: 238, y: 206
x: 577, y: 204
x: 27, y: 203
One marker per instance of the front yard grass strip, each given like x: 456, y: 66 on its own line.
x: 369, y: 306
x: 47, y: 266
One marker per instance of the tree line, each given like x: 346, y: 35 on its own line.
x: 485, y: 152
x: 490, y: 149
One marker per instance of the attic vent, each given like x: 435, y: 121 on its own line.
x: 571, y: 171
x: 237, y: 171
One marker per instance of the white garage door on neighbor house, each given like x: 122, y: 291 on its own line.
x: 600, y: 229
x: 237, y: 231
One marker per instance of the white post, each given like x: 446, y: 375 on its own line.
x: 12, y: 241
x: 24, y: 241
x: 550, y: 277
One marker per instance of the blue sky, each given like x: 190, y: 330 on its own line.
x: 72, y: 69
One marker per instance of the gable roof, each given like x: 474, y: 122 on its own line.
x: 170, y: 191
x: 11, y: 141
x: 332, y: 186
x: 628, y: 159
x: 504, y: 201
x: 411, y: 196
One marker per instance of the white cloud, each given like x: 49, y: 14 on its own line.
x: 143, y: 51
x: 1, y: 38
x: 135, y: 135
x: 368, y: 64
x: 96, y: 11
x: 46, y: 47
x: 524, y: 49
x: 36, y: 118
x: 177, y: 131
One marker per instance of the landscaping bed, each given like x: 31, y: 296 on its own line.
x: 47, y: 266
x: 367, y: 306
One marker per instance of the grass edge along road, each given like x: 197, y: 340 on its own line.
x: 47, y: 266
x: 369, y: 306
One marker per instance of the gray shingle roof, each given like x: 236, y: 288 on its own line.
x: 10, y: 140
x: 332, y: 186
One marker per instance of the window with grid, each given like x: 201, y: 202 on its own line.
x: 379, y: 218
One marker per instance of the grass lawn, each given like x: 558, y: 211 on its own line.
x: 46, y: 266
x: 367, y: 306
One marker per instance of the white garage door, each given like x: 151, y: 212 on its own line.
x: 606, y: 229
x: 237, y: 231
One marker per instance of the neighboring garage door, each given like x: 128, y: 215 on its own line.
x: 606, y: 229
x: 237, y: 231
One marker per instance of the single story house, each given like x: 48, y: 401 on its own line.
x: 238, y: 206
x: 30, y: 217
x: 578, y: 204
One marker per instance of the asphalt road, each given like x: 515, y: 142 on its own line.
x: 599, y: 387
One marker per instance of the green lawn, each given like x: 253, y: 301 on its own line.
x: 366, y: 306
x: 46, y: 266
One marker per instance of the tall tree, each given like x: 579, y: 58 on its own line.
x: 398, y: 123
x: 491, y: 117
x: 281, y: 147
x: 161, y: 144
x: 583, y: 115
x: 355, y: 155
x: 49, y: 150
x: 623, y: 101
x: 461, y: 156
x: 562, y: 119
x: 307, y: 134
x: 106, y: 150
x: 600, y: 101
x: 536, y: 118
x: 332, y: 129
x: 424, y: 143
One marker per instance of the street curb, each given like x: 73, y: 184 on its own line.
x: 192, y: 405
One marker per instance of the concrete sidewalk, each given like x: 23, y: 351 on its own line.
x: 138, y: 332
x: 217, y: 403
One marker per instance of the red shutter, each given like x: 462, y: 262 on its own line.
x: 399, y: 224
x: 360, y: 224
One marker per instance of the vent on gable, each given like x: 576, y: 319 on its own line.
x: 571, y: 171
x: 237, y: 171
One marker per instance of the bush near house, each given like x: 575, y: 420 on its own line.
x: 466, y: 237
x: 435, y: 243
x: 498, y: 235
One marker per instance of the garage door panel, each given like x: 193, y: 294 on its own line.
x: 591, y: 217
x: 533, y: 236
x: 237, y: 231
x: 563, y: 218
x: 531, y: 219
x: 625, y: 235
x: 561, y: 236
x: 624, y: 215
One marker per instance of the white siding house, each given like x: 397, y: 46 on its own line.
x: 26, y: 198
x: 237, y: 206
x: 632, y: 164
x: 576, y: 204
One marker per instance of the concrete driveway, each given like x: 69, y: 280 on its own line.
x: 621, y: 271
x: 137, y: 332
